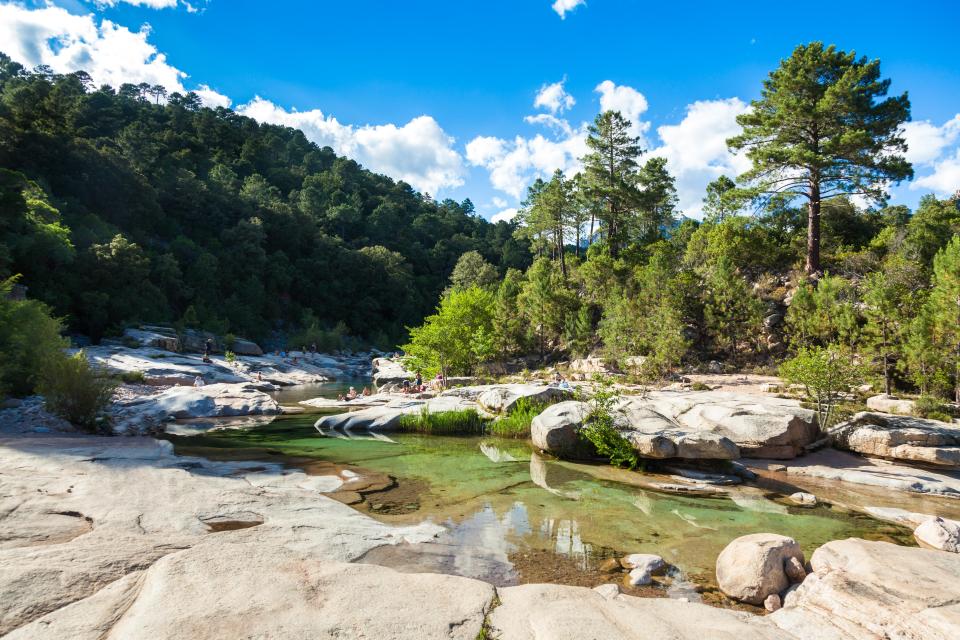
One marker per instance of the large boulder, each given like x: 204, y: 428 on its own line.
x: 900, y: 438
x: 556, y: 428
x: 157, y: 337
x: 244, y: 347
x: 161, y: 368
x: 880, y: 590
x: 148, y: 414
x: 939, y: 533
x: 387, y: 371
x: 755, y: 566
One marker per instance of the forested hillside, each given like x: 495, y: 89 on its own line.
x: 125, y: 205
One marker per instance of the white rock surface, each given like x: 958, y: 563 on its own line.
x: 891, y: 404
x: 900, y: 438
x: 387, y: 371
x: 501, y: 399
x: 804, y: 498
x: 752, y: 567
x: 939, y: 533
x: 93, y: 529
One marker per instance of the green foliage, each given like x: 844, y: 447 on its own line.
x: 327, y: 340
x: 823, y: 313
x: 545, y: 302
x: 933, y: 408
x: 229, y: 356
x: 75, y: 391
x: 516, y: 424
x: 29, y: 341
x: 599, y: 428
x: 826, y: 373
x: 464, y: 422
x: 456, y: 339
x: 889, y: 297
x: 473, y: 270
x: 732, y: 311
x: 943, y: 307
x: 132, y: 377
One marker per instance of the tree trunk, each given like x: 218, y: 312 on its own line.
x: 813, y: 228
x: 886, y: 363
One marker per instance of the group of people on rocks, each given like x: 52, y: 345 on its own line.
x: 439, y: 383
x: 353, y: 395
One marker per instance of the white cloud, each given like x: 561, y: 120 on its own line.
x: 499, y: 203
x: 212, y: 97
x: 506, y: 215
x: 513, y: 165
x: 110, y: 53
x: 554, y: 98
x: 926, y: 141
x: 935, y: 153
x: 151, y: 4
x: 629, y: 102
x: 419, y: 152
x: 696, y: 149
x: 945, y: 179
x: 564, y: 6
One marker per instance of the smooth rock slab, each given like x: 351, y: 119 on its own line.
x: 900, y: 438
x: 940, y: 534
x: 891, y: 404
x: 883, y: 590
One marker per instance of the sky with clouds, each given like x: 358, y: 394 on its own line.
x: 477, y: 98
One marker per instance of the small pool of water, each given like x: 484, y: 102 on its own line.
x: 513, y: 516
x: 290, y: 396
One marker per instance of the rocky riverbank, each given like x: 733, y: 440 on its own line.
x: 108, y: 537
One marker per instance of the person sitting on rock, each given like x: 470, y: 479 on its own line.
x: 352, y: 394
x: 198, y: 382
x: 406, y: 386
x: 366, y: 391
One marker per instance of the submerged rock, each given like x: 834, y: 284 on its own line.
x: 386, y: 417
x: 900, y: 438
x: 804, y: 498
x: 753, y: 567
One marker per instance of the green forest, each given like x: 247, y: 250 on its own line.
x: 129, y: 205
x: 124, y: 205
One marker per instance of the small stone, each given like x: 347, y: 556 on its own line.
x: 804, y: 498
x: 608, y: 591
x: 777, y: 468
x: 649, y: 562
x: 376, y: 507
x: 639, y: 577
x: 610, y: 565
x: 772, y: 602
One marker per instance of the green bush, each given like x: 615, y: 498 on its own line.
x: 462, y: 422
x: 76, y: 391
x: 516, y: 424
x: 230, y: 356
x: 601, y: 432
x: 826, y: 373
x: 29, y: 340
x: 132, y: 377
x: 932, y: 408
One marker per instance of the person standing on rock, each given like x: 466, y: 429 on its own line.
x: 198, y: 382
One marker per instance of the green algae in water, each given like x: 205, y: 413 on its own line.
x: 499, y: 499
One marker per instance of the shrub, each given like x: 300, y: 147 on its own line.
x: 230, y: 356
x: 933, y: 408
x: 75, y: 391
x: 603, y: 434
x: 229, y: 341
x: 29, y: 339
x: 132, y: 377
x: 463, y: 422
x: 516, y: 424
x: 826, y: 373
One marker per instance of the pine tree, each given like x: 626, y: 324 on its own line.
x: 887, y: 301
x: 732, y: 310
x: 610, y: 175
x: 658, y: 200
x: 820, y: 130
x: 719, y: 202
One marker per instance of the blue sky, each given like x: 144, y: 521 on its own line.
x: 474, y: 99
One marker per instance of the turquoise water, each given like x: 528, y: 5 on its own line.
x: 515, y: 516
